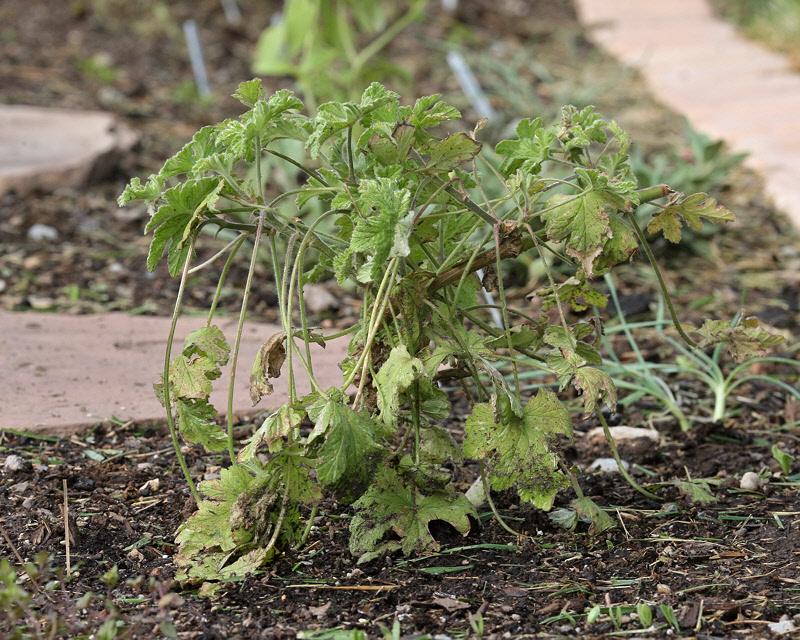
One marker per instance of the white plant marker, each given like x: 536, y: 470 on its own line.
x: 196, y: 58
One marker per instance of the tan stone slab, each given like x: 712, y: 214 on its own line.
x: 727, y: 86
x: 43, y: 148
x: 59, y: 375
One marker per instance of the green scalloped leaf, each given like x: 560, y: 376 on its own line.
x: 522, y: 452
x: 186, y: 205
x: 350, y: 439
x: 391, y: 505
x: 447, y: 154
x: 692, y: 209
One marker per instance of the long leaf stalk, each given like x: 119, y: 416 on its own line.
x: 615, y: 454
x: 380, y: 303
x: 298, y: 275
x: 657, y: 270
x: 504, y: 312
x: 238, y: 339
x: 236, y: 245
x: 165, y: 376
x: 488, y: 492
x: 285, y: 302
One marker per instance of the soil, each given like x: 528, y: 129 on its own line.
x: 727, y: 568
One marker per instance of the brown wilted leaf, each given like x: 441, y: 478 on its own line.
x: 268, y: 365
x: 450, y: 604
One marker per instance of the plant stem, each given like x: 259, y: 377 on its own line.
x: 222, y: 277
x: 618, y: 460
x: 233, y: 242
x: 307, y: 530
x: 239, y: 328
x: 173, y: 432
x: 381, y: 300
x: 497, y: 515
x: 646, y: 245
x: 386, y: 37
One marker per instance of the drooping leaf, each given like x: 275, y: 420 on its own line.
x: 302, y: 489
x: 438, y: 445
x: 667, y: 222
x: 575, y: 290
x: 582, y: 222
x: 699, y: 490
x: 196, y: 422
x: 618, y: 248
x: 691, y: 209
x: 524, y: 452
x: 744, y: 341
x: 599, y: 520
x: 350, y: 439
x: 174, y: 221
x: 393, y: 505
x: 189, y: 378
x: 447, y: 154
x: 275, y: 427
x: 595, y: 385
x: 409, y: 296
x: 268, y: 363
x: 208, y: 530
x: 521, y: 337
x: 396, y: 375
x: 566, y: 518
x: 207, y: 341
x: 582, y: 509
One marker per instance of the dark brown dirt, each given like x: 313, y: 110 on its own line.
x: 727, y: 568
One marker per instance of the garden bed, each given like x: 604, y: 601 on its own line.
x: 723, y: 568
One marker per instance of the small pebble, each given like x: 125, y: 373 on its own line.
x: 16, y: 463
x: 27, y: 503
x: 750, y: 482
x: 784, y: 625
x: 608, y: 465
x: 149, y: 487
x: 39, y: 232
x: 19, y: 487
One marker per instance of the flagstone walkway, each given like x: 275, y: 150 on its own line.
x: 728, y: 87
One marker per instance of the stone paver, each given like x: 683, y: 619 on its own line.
x: 59, y: 375
x: 43, y: 149
x: 727, y: 86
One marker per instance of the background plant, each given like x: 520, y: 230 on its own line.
x: 646, y: 378
x: 412, y: 228
x: 332, y: 47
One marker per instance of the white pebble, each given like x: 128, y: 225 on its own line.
x: 14, y: 463
x: 750, y: 482
x: 608, y: 465
x: 42, y: 232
